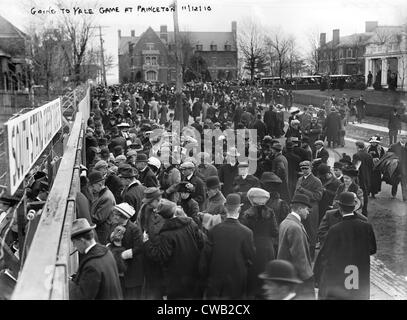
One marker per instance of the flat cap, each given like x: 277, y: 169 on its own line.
x: 187, y: 165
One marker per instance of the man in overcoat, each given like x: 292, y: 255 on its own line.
x: 310, y: 186
x: 97, y: 277
x: 231, y: 252
x: 102, y: 205
x: 342, y: 268
x: 293, y: 244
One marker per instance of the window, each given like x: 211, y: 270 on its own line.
x: 147, y: 60
x: 214, y: 47
x: 214, y: 61
x: 228, y: 47
x: 340, y: 53
x: 131, y: 61
x: 151, y: 75
x: 150, y: 46
x: 154, y: 61
x: 199, y: 47
x: 349, y: 53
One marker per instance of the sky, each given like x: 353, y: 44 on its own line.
x: 296, y: 17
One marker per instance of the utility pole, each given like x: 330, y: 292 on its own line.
x: 178, y: 89
x: 102, y: 55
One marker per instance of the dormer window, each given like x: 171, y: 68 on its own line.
x: 199, y: 47
x: 228, y: 47
x: 214, y: 47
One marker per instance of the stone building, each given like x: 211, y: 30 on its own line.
x: 151, y: 55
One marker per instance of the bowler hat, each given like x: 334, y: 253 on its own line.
x: 80, y: 226
x: 212, y: 182
x: 95, y: 177
x: 319, y: 142
x: 301, y: 198
x: 280, y: 270
x: 150, y: 194
x: 233, y: 201
x: 166, y: 208
x: 347, y: 199
x: 271, y: 177
x: 142, y: 157
x: 126, y: 171
x: 125, y: 209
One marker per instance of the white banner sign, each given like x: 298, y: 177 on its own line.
x: 28, y: 136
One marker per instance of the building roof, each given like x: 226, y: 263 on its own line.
x: 206, y: 39
x: 124, y: 44
x: 8, y: 30
x: 366, y: 38
x: 4, y: 54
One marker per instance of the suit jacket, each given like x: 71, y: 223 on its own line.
x: 331, y: 218
x: 97, y: 277
x: 227, y: 174
x: 348, y: 243
x: 293, y: 246
x: 365, y: 169
x: 231, y: 252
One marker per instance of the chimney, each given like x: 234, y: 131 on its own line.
x: 133, y: 33
x: 322, y: 39
x: 234, y: 26
x: 335, y: 37
x: 234, y: 34
x: 164, y: 33
x: 120, y: 33
x: 370, y: 26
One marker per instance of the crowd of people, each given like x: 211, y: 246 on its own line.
x: 159, y: 219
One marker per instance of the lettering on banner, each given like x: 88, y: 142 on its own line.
x: 28, y: 136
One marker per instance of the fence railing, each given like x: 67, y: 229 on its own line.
x: 48, y: 263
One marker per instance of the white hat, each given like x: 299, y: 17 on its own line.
x: 375, y: 139
x: 125, y: 209
x: 154, y: 162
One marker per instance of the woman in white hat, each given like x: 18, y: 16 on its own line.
x: 377, y: 152
x: 262, y: 221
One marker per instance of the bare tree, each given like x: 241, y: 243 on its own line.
x: 280, y: 45
x: 251, y: 45
x: 314, y: 54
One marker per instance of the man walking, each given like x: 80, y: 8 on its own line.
x: 400, y: 149
x: 394, y: 126
x: 293, y: 244
x: 342, y: 268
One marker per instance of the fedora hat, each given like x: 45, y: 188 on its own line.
x: 141, y: 158
x: 126, y: 171
x: 280, y: 270
x: 277, y: 147
x: 80, y: 226
x: 301, y: 198
x: 101, y: 164
x: 125, y: 209
x: 347, y: 199
x: 271, y: 177
x: 95, y: 177
x: 212, y: 182
x: 233, y: 201
x: 150, y: 194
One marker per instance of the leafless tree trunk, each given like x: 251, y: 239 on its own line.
x: 280, y: 44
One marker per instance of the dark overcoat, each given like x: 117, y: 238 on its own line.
x: 348, y: 243
x: 232, y: 251
x: 97, y: 277
x: 100, y: 211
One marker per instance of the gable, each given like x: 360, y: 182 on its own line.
x: 8, y: 30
